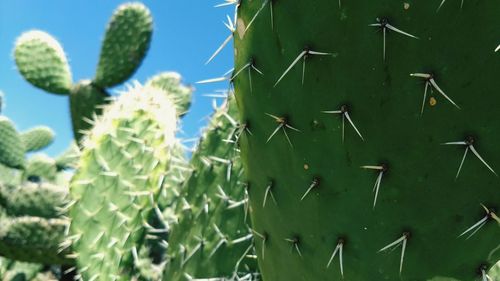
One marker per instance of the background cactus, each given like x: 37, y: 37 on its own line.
x: 339, y: 108
x: 210, y: 237
x: 32, y: 227
x: 117, y: 182
x: 42, y: 62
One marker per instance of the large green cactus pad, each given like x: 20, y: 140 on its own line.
x: 11, y: 146
x: 125, y: 44
x: 118, y: 179
x: 41, y: 61
x: 338, y: 108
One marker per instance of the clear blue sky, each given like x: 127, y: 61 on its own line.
x: 186, y: 32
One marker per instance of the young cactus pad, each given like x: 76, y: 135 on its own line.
x: 377, y: 122
x: 117, y: 182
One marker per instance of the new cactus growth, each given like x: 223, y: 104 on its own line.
x: 42, y: 62
x: 377, y: 124
x: 117, y: 182
x: 211, y: 238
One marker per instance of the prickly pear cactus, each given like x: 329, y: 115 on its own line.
x: 42, y: 62
x: 117, y: 182
x: 125, y: 44
x: 375, y: 128
x: 211, y: 238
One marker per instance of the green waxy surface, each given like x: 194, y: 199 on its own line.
x: 125, y: 44
x: 419, y: 192
x: 11, y: 146
x: 37, y: 138
x: 118, y: 178
x: 211, y: 238
x: 42, y: 62
x: 171, y: 83
x: 86, y: 100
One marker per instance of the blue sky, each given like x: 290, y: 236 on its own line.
x: 186, y: 33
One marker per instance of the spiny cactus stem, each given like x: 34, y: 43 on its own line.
x: 338, y: 249
x: 442, y: 3
x: 264, y: 237
x: 295, y: 242
x: 282, y: 124
x: 306, y: 52
x: 430, y: 81
x: 382, y: 170
x: 469, y: 145
x: 384, y: 24
x: 250, y: 66
x: 400, y: 241
x: 490, y: 215
x: 314, y: 184
x: 344, y: 112
x: 269, y: 191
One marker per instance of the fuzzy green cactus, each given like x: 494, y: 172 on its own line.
x: 211, y: 238
x: 363, y: 169
x: 125, y: 44
x: 37, y: 138
x: 118, y: 180
x: 42, y: 62
x: 32, y: 227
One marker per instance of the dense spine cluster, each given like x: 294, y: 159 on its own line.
x: 387, y: 96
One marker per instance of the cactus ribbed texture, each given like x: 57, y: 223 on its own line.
x: 211, y: 238
x: 338, y: 107
x: 116, y: 185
